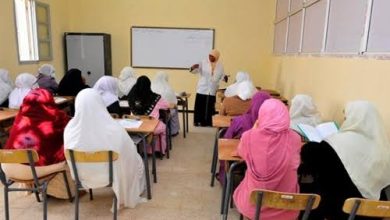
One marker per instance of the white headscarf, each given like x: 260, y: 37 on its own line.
x: 47, y: 70
x: 364, y: 149
x: 23, y: 84
x: 233, y: 89
x: 126, y: 81
x: 107, y: 86
x: 161, y: 86
x: 303, y: 111
x: 5, y: 85
x: 246, y: 90
x: 93, y: 129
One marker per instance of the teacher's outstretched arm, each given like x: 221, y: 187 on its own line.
x: 194, y: 67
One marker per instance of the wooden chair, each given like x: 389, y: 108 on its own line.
x: 282, y: 200
x: 39, y: 184
x: 91, y: 157
x: 366, y: 207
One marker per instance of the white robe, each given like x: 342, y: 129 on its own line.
x: 107, y: 86
x: 93, y: 129
x: 161, y: 86
x: 127, y: 80
x: 234, y: 89
x: 209, y: 82
x: 23, y: 84
x: 364, y: 148
x: 303, y: 111
x: 5, y: 85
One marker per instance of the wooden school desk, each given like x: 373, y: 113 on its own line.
x: 221, y: 122
x: 226, y: 149
x: 139, y: 135
x: 7, y: 114
x: 183, y: 101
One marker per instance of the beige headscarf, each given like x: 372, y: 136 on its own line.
x: 215, y: 53
x: 364, y: 148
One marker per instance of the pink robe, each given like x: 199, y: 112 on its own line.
x: 271, y: 151
x: 160, y: 130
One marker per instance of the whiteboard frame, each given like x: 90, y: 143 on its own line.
x: 169, y: 28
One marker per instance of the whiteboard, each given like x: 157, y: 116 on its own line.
x: 282, y: 9
x: 179, y: 48
x: 294, y: 33
x: 346, y: 25
x: 314, y: 27
x: 379, y: 33
x: 280, y: 37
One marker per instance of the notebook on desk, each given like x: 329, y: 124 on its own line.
x: 130, y: 123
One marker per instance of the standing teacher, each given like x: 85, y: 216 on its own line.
x: 211, y: 73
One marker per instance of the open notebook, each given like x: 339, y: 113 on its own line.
x: 320, y: 132
x: 130, y: 123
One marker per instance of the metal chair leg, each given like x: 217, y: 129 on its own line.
x: 154, y: 169
x: 67, y: 186
x: 77, y: 205
x: 37, y: 194
x: 90, y: 194
x: 146, y: 164
x: 6, y: 203
x: 115, y: 207
x: 44, y: 195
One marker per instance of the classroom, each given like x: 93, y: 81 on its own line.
x: 271, y: 40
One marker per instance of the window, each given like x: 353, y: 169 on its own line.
x: 33, y: 30
x: 332, y: 27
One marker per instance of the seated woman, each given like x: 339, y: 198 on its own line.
x: 161, y: 86
x: 40, y: 125
x: 107, y: 86
x: 240, y: 103
x: 241, y: 124
x: 351, y: 163
x: 23, y: 84
x: 126, y: 81
x: 232, y: 90
x: 93, y: 129
x: 72, y: 83
x: 143, y: 101
x: 45, y: 78
x: 5, y: 87
x: 271, y: 152
x: 303, y: 111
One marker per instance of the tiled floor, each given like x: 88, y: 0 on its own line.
x: 183, y: 190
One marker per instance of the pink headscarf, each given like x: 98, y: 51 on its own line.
x: 271, y: 151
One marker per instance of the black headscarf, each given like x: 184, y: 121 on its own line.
x: 142, y: 99
x: 71, y: 84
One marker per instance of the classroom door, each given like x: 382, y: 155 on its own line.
x: 90, y: 53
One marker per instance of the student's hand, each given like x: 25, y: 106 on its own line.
x: 256, y: 124
x: 195, y: 66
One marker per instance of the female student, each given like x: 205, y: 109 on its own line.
x: 23, y: 84
x: 143, y: 101
x: 241, y: 124
x: 126, y: 81
x: 211, y: 73
x: 72, y: 83
x: 271, y: 152
x: 40, y: 125
x: 5, y: 87
x: 232, y: 90
x: 351, y: 163
x: 45, y: 78
x: 93, y: 129
x: 303, y: 111
x: 107, y: 86
x: 240, y: 102
x: 161, y: 86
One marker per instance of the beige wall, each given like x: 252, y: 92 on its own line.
x: 8, y: 42
x: 334, y: 81
x: 243, y: 31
